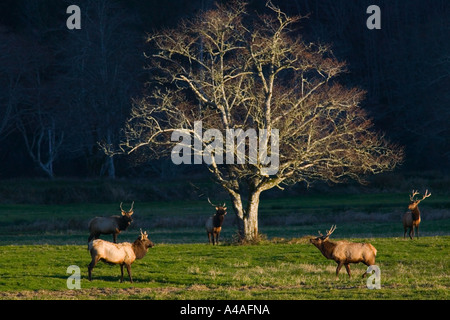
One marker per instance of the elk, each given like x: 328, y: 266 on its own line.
x: 118, y: 253
x: 411, y: 219
x: 344, y: 252
x: 214, y: 223
x: 110, y: 225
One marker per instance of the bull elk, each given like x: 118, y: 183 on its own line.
x: 118, y: 253
x: 110, y: 225
x: 214, y: 223
x: 344, y: 252
x: 411, y: 219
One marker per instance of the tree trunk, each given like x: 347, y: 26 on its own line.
x: 247, y: 219
x: 111, y: 168
x: 109, y: 161
x: 239, y: 211
x: 251, y: 217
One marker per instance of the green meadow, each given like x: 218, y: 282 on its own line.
x: 38, y: 242
x: 293, y: 269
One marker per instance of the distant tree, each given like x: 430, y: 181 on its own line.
x: 37, y: 111
x: 13, y: 68
x: 25, y: 103
x: 102, y: 61
x: 235, y: 70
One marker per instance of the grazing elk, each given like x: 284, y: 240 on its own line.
x: 118, y: 253
x: 344, y: 252
x: 110, y: 225
x: 411, y: 219
x: 214, y: 223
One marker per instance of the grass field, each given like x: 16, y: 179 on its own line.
x: 39, y: 242
x: 409, y: 270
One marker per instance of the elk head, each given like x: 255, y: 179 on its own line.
x: 220, y: 209
x: 129, y: 212
x: 322, y: 238
x: 415, y: 202
x: 126, y: 218
x: 145, y: 240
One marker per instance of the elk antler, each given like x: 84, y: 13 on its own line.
x: 131, y: 209
x: 329, y: 232
x: 143, y: 234
x: 426, y: 195
x: 215, y: 205
x: 414, y: 193
x: 211, y: 203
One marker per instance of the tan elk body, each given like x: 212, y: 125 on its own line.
x: 344, y: 252
x: 411, y: 219
x: 118, y: 253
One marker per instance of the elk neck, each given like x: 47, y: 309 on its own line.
x: 416, y: 213
x: 123, y: 222
x: 327, y: 248
x: 218, y: 220
x: 139, y: 249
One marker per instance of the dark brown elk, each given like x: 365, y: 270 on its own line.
x: 344, y: 252
x: 214, y: 223
x: 110, y: 225
x: 123, y: 254
x: 411, y: 219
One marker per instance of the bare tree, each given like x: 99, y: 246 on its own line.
x: 25, y: 98
x: 103, y: 65
x: 43, y: 141
x: 40, y: 119
x: 233, y: 70
x: 31, y: 95
x: 13, y: 67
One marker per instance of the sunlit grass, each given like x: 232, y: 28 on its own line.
x: 418, y: 269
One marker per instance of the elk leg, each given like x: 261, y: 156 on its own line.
x: 91, y: 266
x: 121, y: 273
x: 209, y: 237
x: 129, y: 272
x: 417, y: 231
x: 347, y: 267
x: 367, y: 264
x: 115, y: 237
x: 338, y: 268
x: 217, y: 237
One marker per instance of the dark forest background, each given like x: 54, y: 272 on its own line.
x: 62, y: 91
